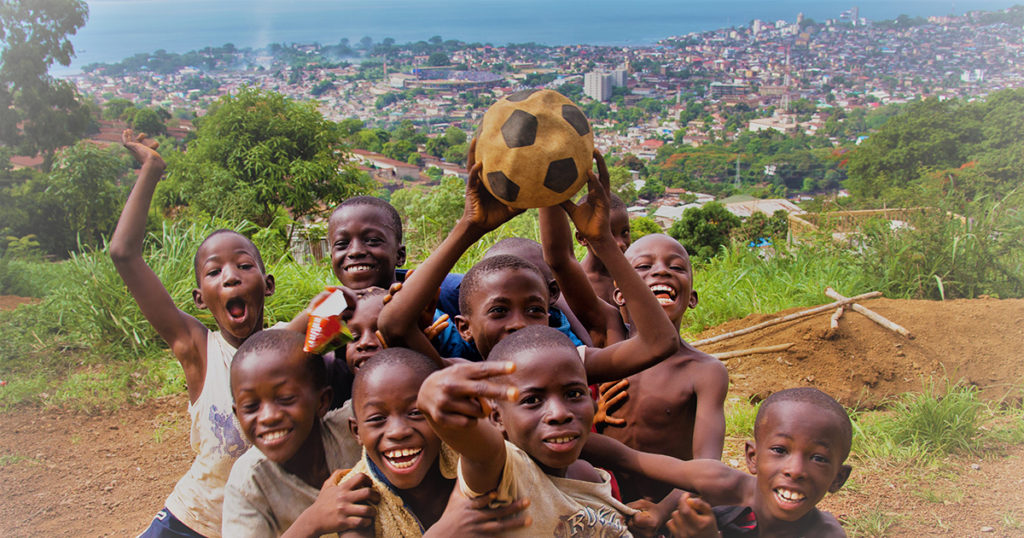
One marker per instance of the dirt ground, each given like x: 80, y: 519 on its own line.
x: 107, y: 474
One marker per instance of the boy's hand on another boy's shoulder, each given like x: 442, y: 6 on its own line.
x: 476, y: 517
x: 454, y: 397
x: 344, y: 503
x: 142, y: 148
x: 693, y: 519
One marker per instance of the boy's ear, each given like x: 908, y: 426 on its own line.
x: 618, y: 298
x: 271, y: 286
x: 495, y: 417
x: 400, y: 256
x: 693, y: 300
x: 197, y: 298
x: 462, y: 325
x: 840, y: 479
x: 580, y: 239
x: 751, y: 453
x: 353, y: 427
x: 326, y: 395
x: 554, y: 291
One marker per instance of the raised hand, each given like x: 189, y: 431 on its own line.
x: 591, y: 217
x: 142, y: 148
x: 345, y: 502
x: 610, y: 395
x: 482, y: 210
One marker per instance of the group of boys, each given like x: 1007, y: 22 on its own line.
x: 464, y: 405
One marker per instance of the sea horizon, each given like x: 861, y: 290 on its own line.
x: 118, y: 29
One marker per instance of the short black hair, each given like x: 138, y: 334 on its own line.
x: 527, y: 249
x: 614, y: 202
x: 281, y: 342
x: 394, y: 357
x: 817, y: 398
x: 486, y: 266
x: 220, y: 231
x: 383, y: 205
x: 527, y: 339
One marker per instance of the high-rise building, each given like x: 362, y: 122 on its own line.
x: 597, y: 85
x: 619, y: 77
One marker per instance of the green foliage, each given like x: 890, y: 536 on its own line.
x: 738, y: 281
x: 147, y: 120
x: 74, y: 205
x: 739, y: 418
x: 39, y: 113
x: 761, y: 226
x: 428, y: 214
x: 642, y: 226
x: 942, y: 256
x: 257, y: 151
x: 704, y: 230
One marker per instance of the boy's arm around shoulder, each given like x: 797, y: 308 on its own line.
x: 454, y: 402
x: 184, y: 334
x: 655, y: 338
x: 711, y: 383
x: 712, y: 479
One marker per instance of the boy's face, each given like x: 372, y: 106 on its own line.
x: 503, y: 302
x: 276, y: 404
x: 363, y: 325
x: 552, y: 416
x: 664, y: 266
x: 232, y: 285
x: 364, y: 247
x: 395, y: 435
x: 798, y: 457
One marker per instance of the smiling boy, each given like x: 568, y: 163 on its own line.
x: 232, y: 283
x: 537, y: 386
x: 802, y: 438
x: 289, y: 483
x: 675, y: 407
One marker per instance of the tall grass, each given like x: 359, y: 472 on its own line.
x: 740, y: 281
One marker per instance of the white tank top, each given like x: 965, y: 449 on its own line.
x: 217, y: 440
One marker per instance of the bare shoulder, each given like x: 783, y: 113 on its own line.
x: 825, y: 525
x: 707, y: 367
x: 582, y: 470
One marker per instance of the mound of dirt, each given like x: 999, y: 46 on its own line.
x: 975, y: 341
x: 10, y: 302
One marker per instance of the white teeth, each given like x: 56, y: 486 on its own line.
x: 402, y: 453
x: 274, y: 435
x: 661, y: 288
x: 789, y: 495
x: 358, y: 268
x: 561, y: 440
x: 664, y: 300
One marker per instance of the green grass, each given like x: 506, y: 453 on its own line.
x: 872, y: 523
x: 739, y: 418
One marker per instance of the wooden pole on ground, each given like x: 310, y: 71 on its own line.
x: 833, y: 322
x: 872, y: 315
x: 791, y: 317
x: 752, y: 351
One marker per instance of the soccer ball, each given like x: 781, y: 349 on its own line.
x: 536, y: 147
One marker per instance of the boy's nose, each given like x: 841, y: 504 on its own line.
x: 794, y: 467
x: 557, y: 412
x: 231, y: 277
x: 368, y: 340
x: 269, y: 414
x: 398, y: 430
x: 356, y: 248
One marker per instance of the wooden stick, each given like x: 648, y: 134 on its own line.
x: 752, y: 351
x: 833, y: 324
x: 791, y: 317
x: 872, y: 315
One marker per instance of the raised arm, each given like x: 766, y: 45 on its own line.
x: 600, y: 319
x: 481, y: 214
x: 712, y: 479
x: 184, y: 334
x: 453, y: 400
x: 655, y: 338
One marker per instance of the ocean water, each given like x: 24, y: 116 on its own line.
x: 120, y: 28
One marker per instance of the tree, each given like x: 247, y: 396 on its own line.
x: 257, y: 151
x: 642, y: 226
x: 703, y: 230
x: 38, y: 113
x: 147, y: 120
x: 437, y: 59
x: 77, y: 202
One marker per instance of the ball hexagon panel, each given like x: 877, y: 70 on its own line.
x: 536, y: 147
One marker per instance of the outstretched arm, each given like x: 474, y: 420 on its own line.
x: 453, y: 400
x: 715, y: 481
x: 184, y: 334
x: 481, y: 214
x: 656, y: 338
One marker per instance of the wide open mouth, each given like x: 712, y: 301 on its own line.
x: 236, y: 308
x: 664, y: 294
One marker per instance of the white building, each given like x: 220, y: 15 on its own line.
x: 598, y: 86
